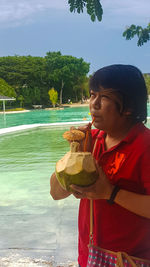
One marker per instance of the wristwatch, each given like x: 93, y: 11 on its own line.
x: 113, y: 195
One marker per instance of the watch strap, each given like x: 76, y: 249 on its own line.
x: 113, y: 195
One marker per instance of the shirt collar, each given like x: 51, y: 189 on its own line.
x: 134, y: 131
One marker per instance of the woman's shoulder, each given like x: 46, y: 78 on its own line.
x: 144, y: 134
x: 139, y: 134
x: 140, y: 139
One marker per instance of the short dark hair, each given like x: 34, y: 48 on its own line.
x: 129, y: 82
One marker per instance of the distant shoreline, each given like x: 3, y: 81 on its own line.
x: 73, y: 105
x: 76, y: 105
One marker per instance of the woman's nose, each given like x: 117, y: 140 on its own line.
x: 97, y: 103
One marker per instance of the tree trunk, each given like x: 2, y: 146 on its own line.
x: 61, y: 91
x: 81, y: 96
x: 76, y: 97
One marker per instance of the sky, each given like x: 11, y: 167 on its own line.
x: 35, y: 27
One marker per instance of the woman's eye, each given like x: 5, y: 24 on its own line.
x: 104, y: 96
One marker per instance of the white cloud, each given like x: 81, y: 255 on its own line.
x: 119, y: 14
x: 15, y: 11
x: 135, y: 10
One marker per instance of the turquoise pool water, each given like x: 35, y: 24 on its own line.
x: 35, y: 230
x: 73, y: 114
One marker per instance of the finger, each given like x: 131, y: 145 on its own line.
x: 101, y: 173
x: 98, y: 167
x: 77, y: 195
x: 85, y: 128
x: 82, y: 190
x: 76, y: 188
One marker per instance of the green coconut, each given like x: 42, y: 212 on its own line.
x: 76, y: 168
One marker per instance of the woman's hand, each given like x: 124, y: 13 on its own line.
x: 101, y: 189
x: 87, y: 130
x: 56, y: 190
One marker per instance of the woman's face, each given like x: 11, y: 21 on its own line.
x: 104, y: 109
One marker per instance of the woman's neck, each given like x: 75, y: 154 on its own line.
x: 115, y: 137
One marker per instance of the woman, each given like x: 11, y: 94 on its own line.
x: 121, y: 195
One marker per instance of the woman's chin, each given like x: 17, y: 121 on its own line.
x: 98, y: 125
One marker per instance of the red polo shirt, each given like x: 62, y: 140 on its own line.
x: 115, y: 228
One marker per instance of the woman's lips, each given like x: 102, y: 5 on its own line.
x: 96, y: 118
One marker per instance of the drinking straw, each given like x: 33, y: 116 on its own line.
x: 86, y: 137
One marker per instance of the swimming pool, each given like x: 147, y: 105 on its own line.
x: 35, y: 229
x: 40, y: 225
x: 73, y: 114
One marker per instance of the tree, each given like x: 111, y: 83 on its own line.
x: 81, y: 90
x: 53, y: 95
x: 65, y: 72
x: 6, y: 89
x: 95, y: 10
x: 93, y: 7
x: 28, y: 76
x: 143, y: 34
x: 21, y: 99
x: 31, y: 77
